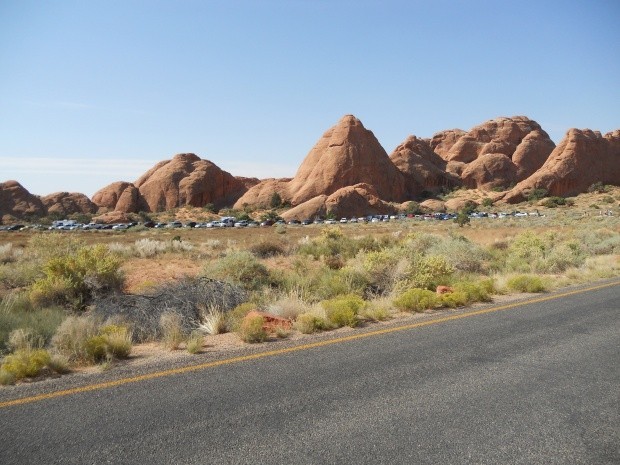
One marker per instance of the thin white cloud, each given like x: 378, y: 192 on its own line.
x: 259, y: 170
x: 74, y: 166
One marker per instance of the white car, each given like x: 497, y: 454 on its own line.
x: 343, y: 220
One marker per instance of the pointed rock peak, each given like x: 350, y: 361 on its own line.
x: 349, y: 120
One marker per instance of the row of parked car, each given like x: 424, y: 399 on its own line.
x: 230, y: 222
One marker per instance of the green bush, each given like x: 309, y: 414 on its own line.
x: 237, y: 314
x: 461, y: 254
x: 526, y: 283
x: 194, y: 342
x: 24, y: 363
x: 476, y: 292
x: 454, y: 299
x: 242, y: 268
x: 553, y: 202
x: 251, y: 329
x: 343, y: 310
x: 117, y: 340
x: 267, y: 248
x: 426, y: 272
x: 72, y: 279
x: 537, y: 194
x: 416, y: 300
x: 308, y: 323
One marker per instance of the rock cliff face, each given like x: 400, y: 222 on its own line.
x: 423, y: 169
x: 66, y: 203
x: 17, y: 202
x: 582, y: 158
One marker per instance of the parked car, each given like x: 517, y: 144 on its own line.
x: 306, y: 222
x: 267, y: 223
x: 175, y: 224
x: 241, y: 224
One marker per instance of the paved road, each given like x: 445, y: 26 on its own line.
x: 535, y: 384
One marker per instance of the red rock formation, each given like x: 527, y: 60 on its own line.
x: 186, y: 180
x: 261, y: 194
x: 522, y: 141
x: 347, y: 154
x: 582, y: 158
x: 360, y: 199
x: 120, y: 196
x: 422, y: 168
x: 442, y: 142
x: 65, y: 203
x: 17, y: 202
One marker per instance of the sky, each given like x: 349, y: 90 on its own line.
x: 93, y: 92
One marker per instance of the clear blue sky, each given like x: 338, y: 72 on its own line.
x: 97, y: 91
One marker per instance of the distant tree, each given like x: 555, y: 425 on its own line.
x: 330, y: 215
x: 487, y: 202
x: 270, y: 215
x: 276, y: 200
x: 462, y: 218
x: 414, y: 208
x: 537, y: 194
x: 209, y: 207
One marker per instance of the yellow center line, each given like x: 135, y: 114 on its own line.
x: 272, y: 353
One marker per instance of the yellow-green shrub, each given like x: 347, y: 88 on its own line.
x: 251, y: 329
x: 24, y: 363
x: 343, y: 310
x: 454, y: 299
x: 308, y: 323
x: 526, y: 283
x: 416, y: 300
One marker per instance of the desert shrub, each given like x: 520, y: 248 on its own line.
x: 426, y: 272
x: 147, y: 248
x: 599, y: 188
x: 72, y: 279
x: 59, y: 363
x: 487, y: 202
x: 369, y: 244
x: 24, y: 338
x: 267, y: 248
x: 599, y: 241
x: 382, y: 268
x: 454, y: 299
x: 74, y: 338
x: 420, y: 243
x: 213, y: 321
x: 237, y: 314
x: 331, y: 243
x: 95, y: 348
x: 375, y: 311
x: 9, y: 254
x: 526, y: 283
x: 567, y: 254
x: 19, y: 274
x: 117, y: 340
x: 416, y: 300
x: 24, y: 363
x: 343, y: 310
x: 308, y: 323
x: 553, y: 202
x: 461, y: 254
x: 16, y: 313
x: 289, y: 306
x: 480, y: 291
x: 414, y: 208
x: 607, y: 199
x: 462, y: 218
x: 537, y: 194
x: 331, y: 283
x: 195, y: 342
x: 526, y: 251
x: 251, y: 329
x: 172, y: 330
x: 240, y: 267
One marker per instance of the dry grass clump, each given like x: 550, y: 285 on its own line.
x: 289, y: 306
x: 194, y: 342
x: 268, y: 248
x: 376, y: 310
x: 9, y: 254
x: 172, y: 331
x: 213, y: 321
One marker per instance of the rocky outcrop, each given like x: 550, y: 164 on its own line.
x: 67, y: 203
x: 187, y: 180
x: 17, y: 202
x: 582, y: 158
x: 261, y: 194
x: 422, y: 168
x: 496, y: 153
x: 120, y: 196
x: 357, y: 200
x: 346, y: 155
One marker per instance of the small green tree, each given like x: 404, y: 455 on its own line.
x: 414, y: 208
x: 276, y: 200
x: 462, y: 218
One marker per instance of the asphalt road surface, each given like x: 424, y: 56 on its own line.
x: 539, y: 383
